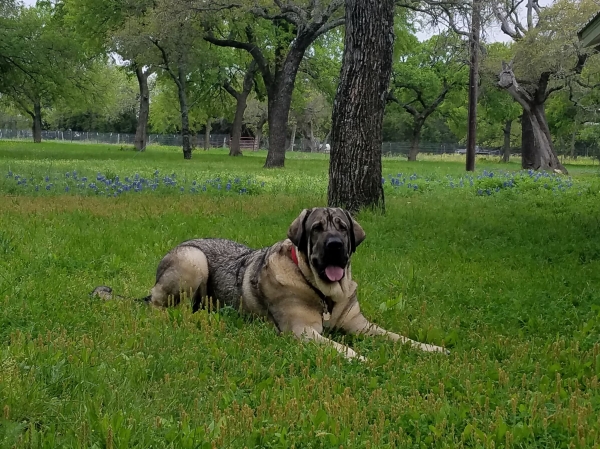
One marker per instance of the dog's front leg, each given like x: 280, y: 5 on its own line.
x: 307, y: 333
x: 356, y: 323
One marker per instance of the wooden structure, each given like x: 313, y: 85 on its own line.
x: 247, y: 143
x: 590, y: 34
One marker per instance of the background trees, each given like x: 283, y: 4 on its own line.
x: 272, y: 68
x: 546, y: 56
x: 42, y: 62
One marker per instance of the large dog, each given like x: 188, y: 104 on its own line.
x: 302, y: 284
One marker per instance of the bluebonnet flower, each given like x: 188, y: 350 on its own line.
x: 66, y: 188
x: 181, y: 189
x: 67, y: 175
x: 47, y: 178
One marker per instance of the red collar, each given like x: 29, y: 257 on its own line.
x: 294, y: 255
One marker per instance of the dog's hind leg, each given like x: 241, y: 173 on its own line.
x: 182, y: 271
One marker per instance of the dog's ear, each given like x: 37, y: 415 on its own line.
x: 357, y: 233
x: 297, y: 232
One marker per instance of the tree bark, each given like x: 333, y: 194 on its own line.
x: 141, y: 131
x: 573, y: 140
x: 185, y: 121
x: 37, y: 122
x: 415, y: 140
x: 506, y: 146
x: 537, y: 149
x: 355, y: 162
x: 207, y: 130
x: 279, y: 102
x: 527, y: 143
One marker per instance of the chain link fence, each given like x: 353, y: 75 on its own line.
x: 216, y: 140
x: 390, y: 149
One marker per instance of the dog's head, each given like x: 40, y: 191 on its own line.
x: 327, y: 237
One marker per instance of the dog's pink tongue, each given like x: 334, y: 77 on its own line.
x: 334, y: 274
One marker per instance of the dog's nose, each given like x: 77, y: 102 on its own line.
x: 334, y: 244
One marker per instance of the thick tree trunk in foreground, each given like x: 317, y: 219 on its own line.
x: 414, y: 142
x: 506, y: 146
x: 141, y: 130
x: 37, y: 122
x: 355, y: 163
x: 537, y: 151
x: 185, y: 121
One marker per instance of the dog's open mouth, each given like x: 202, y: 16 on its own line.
x: 334, y: 274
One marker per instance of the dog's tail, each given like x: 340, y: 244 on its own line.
x: 106, y: 294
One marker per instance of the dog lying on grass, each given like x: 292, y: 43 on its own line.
x: 302, y: 284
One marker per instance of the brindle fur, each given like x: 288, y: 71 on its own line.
x: 266, y: 282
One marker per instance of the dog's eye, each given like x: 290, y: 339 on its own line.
x: 317, y: 227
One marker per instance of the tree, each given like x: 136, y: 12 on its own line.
x: 177, y: 41
x: 241, y: 98
x: 547, y: 54
x: 422, y: 78
x: 288, y: 29
x: 43, y: 61
x: 498, y: 108
x: 110, y: 27
x: 355, y: 163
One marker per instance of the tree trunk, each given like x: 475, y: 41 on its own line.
x: 259, y: 132
x: 37, y: 122
x: 279, y: 101
x: 537, y: 149
x: 573, y: 140
x: 415, y: 140
x: 236, y: 129
x: 185, y: 121
x: 207, y: 130
x: 293, y: 137
x: 527, y: 143
x: 241, y: 101
x: 506, y: 146
x: 141, y: 131
x: 355, y: 162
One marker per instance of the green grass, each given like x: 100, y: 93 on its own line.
x: 509, y: 281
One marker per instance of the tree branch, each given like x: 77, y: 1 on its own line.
x: 251, y: 48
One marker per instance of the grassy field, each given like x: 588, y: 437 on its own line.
x: 502, y: 267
